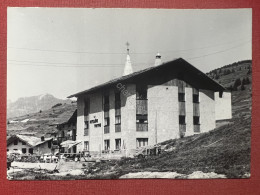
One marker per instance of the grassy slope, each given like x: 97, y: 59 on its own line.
x: 43, y: 121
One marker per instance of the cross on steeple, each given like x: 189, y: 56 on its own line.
x: 127, y: 47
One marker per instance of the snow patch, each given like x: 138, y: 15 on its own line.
x: 173, y: 175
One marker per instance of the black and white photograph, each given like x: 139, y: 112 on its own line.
x: 120, y: 93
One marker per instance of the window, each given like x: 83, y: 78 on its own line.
x: 107, y: 144
x: 86, y: 145
x: 141, y: 142
x: 195, y: 98
x: 23, y: 143
x: 62, y: 134
x: 106, y: 103
x: 106, y: 99
x: 220, y: 94
x: 7, y: 150
x: 182, y: 120
x: 49, y: 144
x: 196, y: 120
x: 117, y: 97
x: 31, y: 150
x: 107, y: 121
x: 86, y: 107
x: 24, y: 150
x: 141, y: 118
x: 118, y: 120
x: 181, y: 97
x: 16, y: 142
x: 141, y: 94
x: 86, y: 125
x: 118, y: 144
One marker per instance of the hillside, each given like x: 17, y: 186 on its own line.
x: 27, y: 105
x: 227, y: 75
x: 41, y: 122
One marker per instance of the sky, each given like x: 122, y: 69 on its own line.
x: 62, y: 51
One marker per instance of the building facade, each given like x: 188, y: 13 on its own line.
x: 29, y: 145
x: 168, y: 101
x: 67, y: 131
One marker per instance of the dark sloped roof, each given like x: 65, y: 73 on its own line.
x: 31, y: 141
x: 177, y: 64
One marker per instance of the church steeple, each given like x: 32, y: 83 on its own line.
x: 128, y: 66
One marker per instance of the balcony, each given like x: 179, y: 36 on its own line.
x: 106, y: 107
x: 117, y: 112
x: 182, y: 108
x: 196, y: 128
x: 141, y: 107
x: 182, y: 127
x: 106, y: 129
x: 196, y: 109
x: 86, y: 132
x: 117, y: 105
x: 141, y: 126
x: 117, y: 127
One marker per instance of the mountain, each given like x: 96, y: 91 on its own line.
x: 27, y: 105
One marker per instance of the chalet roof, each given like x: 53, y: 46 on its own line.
x: 65, y: 117
x: 32, y: 141
x: 177, y: 65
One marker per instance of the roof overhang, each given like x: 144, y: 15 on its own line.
x: 180, y: 65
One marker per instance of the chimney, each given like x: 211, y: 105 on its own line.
x: 42, y: 138
x: 158, y: 60
x: 128, y: 66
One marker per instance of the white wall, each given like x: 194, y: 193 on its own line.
x: 162, y: 100
x: 223, y: 106
x: 207, y: 110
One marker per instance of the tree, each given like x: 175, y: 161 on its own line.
x: 244, y: 81
x: 234, y: 88
x: 237, y: 83
x: 242, y: 87
x: 249, y: 71
x: 247, y: 81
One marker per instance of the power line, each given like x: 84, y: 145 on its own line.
x: 217, y: 52
x: 120, y: 53
x: 72, y: 63
x: 51, y: 64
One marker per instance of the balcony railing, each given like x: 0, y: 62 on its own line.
x: 141, y: 107
x: 196, y: 109
x: 182, y: 109
x: 141, y: 126
x: 117, y: 112
x: 117, y: 105
x: 106, y: 129
x: 106, y: 107
x: 182, y: 127
x: 117, y: 127
x: 196, y: 128
x: 86, y: 132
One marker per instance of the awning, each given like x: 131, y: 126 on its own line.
x: 69, y: 143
